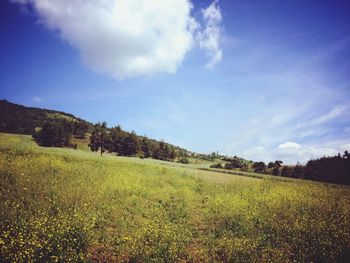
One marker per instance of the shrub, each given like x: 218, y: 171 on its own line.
x: 184, y: 160
x: 234, y: 164
x: 216, y: 165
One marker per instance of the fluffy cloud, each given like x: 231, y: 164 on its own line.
x: 126, y: 38
x: 210, y: 37
x: 321, y: 135
x: 303, y: 153
x: 289, y: 145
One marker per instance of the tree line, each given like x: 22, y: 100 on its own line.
x: 57, y: 129
x: 15, y: 118
x: 115, y: 140
x: 334, y: 169
x: 59, y: 132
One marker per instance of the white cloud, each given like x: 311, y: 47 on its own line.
x: 289, y: 145
x: 301, y: 153
x: 127, y: 38
x: 268, y: 129
x: 345, y: 147
x: 209, y: 39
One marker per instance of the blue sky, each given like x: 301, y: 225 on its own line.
x: 264, y: 80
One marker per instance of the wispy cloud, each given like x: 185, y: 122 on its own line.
x: 290, y: 116
x: 209, y: 38
x: 336, y: 112
x: 36, y: 99
x: 276, y: 137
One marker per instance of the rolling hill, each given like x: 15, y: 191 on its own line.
x: 61, y: 205
x: 19, y: 119
x: 15, y: 118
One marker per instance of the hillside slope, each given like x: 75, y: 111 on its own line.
x: 62, y: 205
x: 15, y: 118
x: 19, y: 119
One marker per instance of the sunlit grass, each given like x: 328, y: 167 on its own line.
x: 66, y: 205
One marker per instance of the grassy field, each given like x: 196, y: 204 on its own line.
x: 62, y: 205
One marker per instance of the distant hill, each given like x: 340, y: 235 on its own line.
x: 19, y: 119
x: 15, y: 118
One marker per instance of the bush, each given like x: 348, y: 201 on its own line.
x: 234, y: 164
x: 216, y: 165
x: 141, y: 155
x: 184, y: 160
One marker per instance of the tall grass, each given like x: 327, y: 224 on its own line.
x: 64, y: 205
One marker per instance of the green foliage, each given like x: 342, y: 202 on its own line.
x: 62, y: 205
x: 98, y: 138
x: 55, y: 132
x: 16, y: 118
x: 274, y: 167
x: 234, y: 163
x: 145, y: 148
x: 184, y: 160
x: 130, y: 144
x: 287, y: 171
x: 328, y: 169
x: 217, y: 165
x: 80, y: 129
x: 162, y: 151
x: 259, y: 167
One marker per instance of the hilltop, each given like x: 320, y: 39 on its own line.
x: 15, y: 118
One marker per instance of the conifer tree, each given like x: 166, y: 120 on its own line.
x: 98, y: 139
x: 145, y: 148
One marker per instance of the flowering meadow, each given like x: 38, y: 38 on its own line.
x: 61, y: 205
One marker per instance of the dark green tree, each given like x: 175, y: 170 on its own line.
x: 259, y: 167
x: 80, y: 129
x: 98, y: 139
x: 54, y: 132
x: 145, y: 147
x: 117, y: 136
x: 172, y: 155
x: 235, y: 163
x: 276, y: 167
x: 271, y: 165
x: 130, y: 144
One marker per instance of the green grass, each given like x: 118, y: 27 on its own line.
x: 61, y: 205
